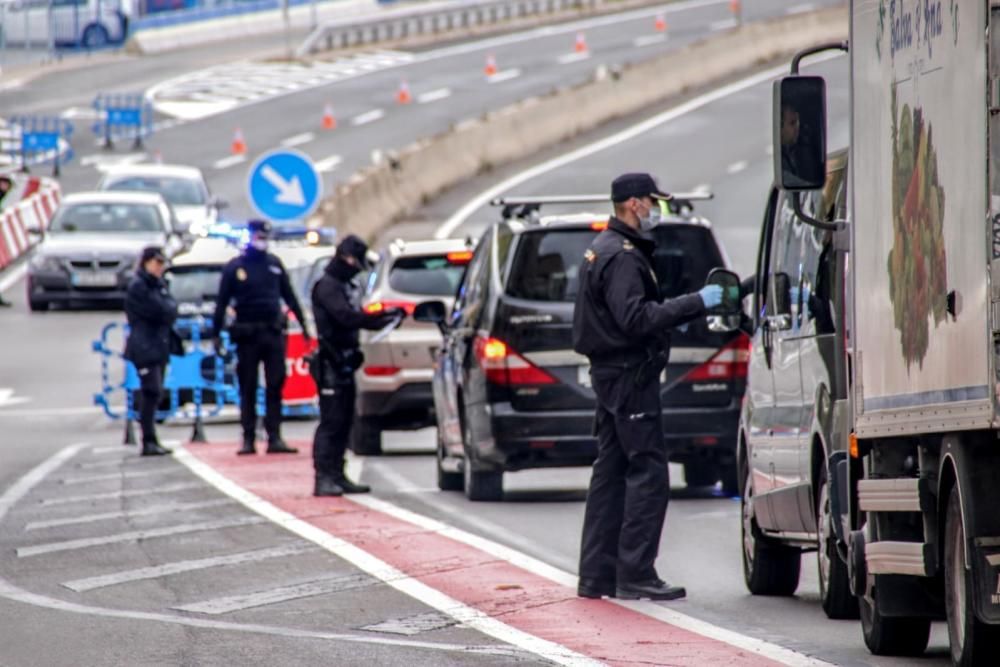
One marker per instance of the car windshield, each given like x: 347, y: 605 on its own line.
x: 430, y: 275
x: 194, y: 284
x: 116, y: 218
x: 177, y: 191
x: 547, y: 264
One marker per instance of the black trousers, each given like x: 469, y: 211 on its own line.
x: 267, y: 346
x: 336, y: 415
x: 630, y: 484
x: 149, y: 394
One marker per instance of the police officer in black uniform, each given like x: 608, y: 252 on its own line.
x: 338, y: 320
x: 258, y: 283
x: 622, y: 325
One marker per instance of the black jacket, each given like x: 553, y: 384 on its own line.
x: 338, y: 315
x: 619, y: 314
x: 258, y: 283
x: 151, y: 312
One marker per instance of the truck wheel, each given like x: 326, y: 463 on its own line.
x: 700, y: 473
x: 769, y: 568
x: 834, y: 585
x: 972, y: 641
x: 95, y: 36
x: 366, y: 437
x: 893, y: 635
x: 447, y: 481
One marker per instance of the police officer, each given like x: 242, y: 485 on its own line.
x: 151, y: 312
x: 258, y: 283
x: 622, y: 325
x: 338, y: 319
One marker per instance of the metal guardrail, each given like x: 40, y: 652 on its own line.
x: 430, y: 19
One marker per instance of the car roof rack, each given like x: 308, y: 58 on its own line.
x: 526, y: 207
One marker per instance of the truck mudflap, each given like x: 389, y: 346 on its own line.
x: 986, y: 572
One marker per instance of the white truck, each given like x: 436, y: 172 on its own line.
x: 916, y: 485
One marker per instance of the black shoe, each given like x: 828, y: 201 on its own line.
x: 654, y: 589
x: 327, y: 486
x: 278, y: 446
x: 247, y: 449
x: 350, y: 487
x: 154, y: 449
x: 595, y: 589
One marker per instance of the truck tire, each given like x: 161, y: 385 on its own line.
x: 366, y: 437
x: 447, y: 481
x: 900, y: 636
x: 700, y: 474
x: 834, y: 584
x: 769, y: 567
x: 972, y: 641
x: 95, y: 36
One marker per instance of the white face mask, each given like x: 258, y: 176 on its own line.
x: 259, y: 244
x: 648, y: 222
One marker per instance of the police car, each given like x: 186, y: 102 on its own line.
x: 511, y: 393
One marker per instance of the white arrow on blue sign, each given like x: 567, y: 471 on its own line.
x: 283, y: 186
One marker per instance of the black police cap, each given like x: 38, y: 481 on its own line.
x: 259, y: 227
x: 352, y: 246
x: 627, y: 186
x: 152, y: 252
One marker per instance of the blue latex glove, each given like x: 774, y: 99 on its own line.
x: 711, y: 295
x: 795, y: 294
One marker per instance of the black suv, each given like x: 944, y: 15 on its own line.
x: 509, y: 391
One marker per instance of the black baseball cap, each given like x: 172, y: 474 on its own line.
x: 627, y: 186
x: 259, y: 226
x: 152, y: 252
x: 352, y: 246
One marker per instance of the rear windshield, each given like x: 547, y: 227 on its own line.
x: 547, y: 264
x: 431, y: 275
x: 194, y: 284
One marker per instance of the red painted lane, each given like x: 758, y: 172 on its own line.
x: 512, y: 595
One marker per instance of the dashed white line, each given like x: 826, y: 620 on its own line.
x: 800, y: 9
x: 368, y: 117
x: 136, y: 535
x: 106, y: 516
x: 69, y: 481
x: 177, y: 567
x: 230, y: 161
x: 723, y: 25
x: 649, y: 40
x: 307, y: 589
x: 434, y: 96
x: 113, y: 495
x: 329, y: 164
x: 737, y: 167
x: 505, y: 75
x: 575, y: 57
x: 298, y: 139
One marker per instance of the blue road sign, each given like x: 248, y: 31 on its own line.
x: 283, y: 185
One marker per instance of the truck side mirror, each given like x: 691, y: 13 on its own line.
x: 782, y: 294
x: 800, y: 133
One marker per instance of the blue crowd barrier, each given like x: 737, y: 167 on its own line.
x: 123, y: 115
x: 42, y: 139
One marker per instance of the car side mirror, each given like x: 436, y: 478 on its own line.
x: 431, y: 311
x: 799, y: 133
x: 732, y: 295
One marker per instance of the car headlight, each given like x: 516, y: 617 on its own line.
x: 45, y: 263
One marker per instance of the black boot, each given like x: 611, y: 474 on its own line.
x: 595, y: 589
x: 327, y: 486
x: 154, y: 449
x: 278, y: 446
x: 350, y: 487
x: 248, y: 447
x: 654, y: 589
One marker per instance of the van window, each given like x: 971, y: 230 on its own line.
x: 786, y: 250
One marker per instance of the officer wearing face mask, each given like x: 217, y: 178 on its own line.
x: 256, y: 282
x: 623, y: 326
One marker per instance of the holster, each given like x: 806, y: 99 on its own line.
x: 650, y: 369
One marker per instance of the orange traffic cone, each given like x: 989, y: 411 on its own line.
x: 239, y: 146
x: 581, y: 43
x: 735, y: 6
x: 403, y: 96
x: 329, y: 120
x: 660, y: 24
x: 491, y: 65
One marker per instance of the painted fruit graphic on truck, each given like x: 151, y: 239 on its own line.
x: 917, y: 263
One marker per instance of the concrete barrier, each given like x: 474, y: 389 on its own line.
x: 38, y: 201
x: 377, y: 196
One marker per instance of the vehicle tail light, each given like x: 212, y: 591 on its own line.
x: 460, y: 257
x: 376, y: 307
x: 729, y: 363
x: 503, y: 366
x: 599, y: 226
x: 380, y: 371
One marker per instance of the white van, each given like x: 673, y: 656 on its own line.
x: 87, y: 23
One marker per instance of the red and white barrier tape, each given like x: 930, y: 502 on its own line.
x: 32, y: 212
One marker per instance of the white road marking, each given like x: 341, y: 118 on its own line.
x: 308, y: 589
x: 137, y: 535
x: 649, y: 40
x: 718, y: 26
x: 574, y: 57
x: 434, y: 96
x: 800, y: 9
x: 329, y: 164
x: 126, y: 514
x: 298, y: 139
x: 11, y: 277
x: 43, y: 412
x: 368, y: 117
x: 737, y: 167
x: 703, y: 187
x: 130, y: 493
x: 81, y: 113
x: 462, y: 214
x: 472, y: 618
x: 110, y: 448
x: 177, y: 567
x: 7, y: 398
x: 412, y: 625
x: 69, y: 481
x: 505, y: 75
x: 231, y: 161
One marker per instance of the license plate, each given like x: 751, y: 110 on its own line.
x: 583, y: 376
x: 95, y: 279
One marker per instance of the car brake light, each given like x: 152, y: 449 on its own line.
x: 380, y: 371
x: 729, y: 363
x: 503, y: 366
x: 376, y: 307
x: 460, y: 257
x: 599, y: 226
